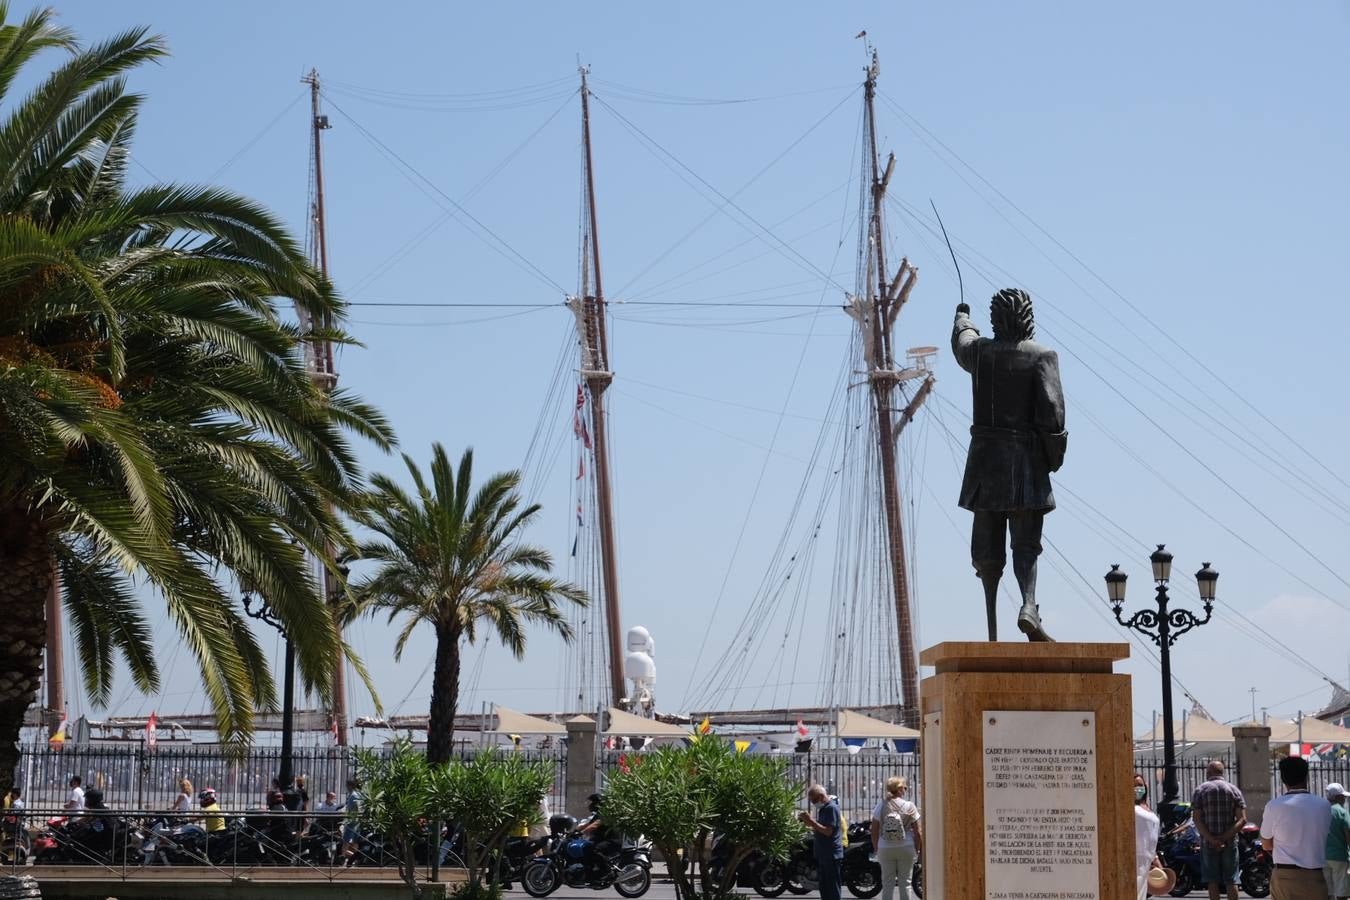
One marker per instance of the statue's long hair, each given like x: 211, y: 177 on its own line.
x: 1010, y: 313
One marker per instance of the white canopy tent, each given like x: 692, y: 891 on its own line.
x: 1312, y: 731
x: 511, y: 722
x: 625, y: 724
x: 850, y: 724
x: 1194, y: 730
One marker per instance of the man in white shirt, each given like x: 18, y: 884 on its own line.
x: 75, y: 802
x: 1294, y: 828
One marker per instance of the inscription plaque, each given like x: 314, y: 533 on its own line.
x: 1040, y: 805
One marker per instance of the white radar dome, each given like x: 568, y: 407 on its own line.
x: 639, y: 667
x: 640, y: 640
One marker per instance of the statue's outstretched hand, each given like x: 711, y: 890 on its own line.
x: 963, y: 308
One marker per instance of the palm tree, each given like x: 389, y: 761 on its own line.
x: 452, y: 559
x: 158, y: 426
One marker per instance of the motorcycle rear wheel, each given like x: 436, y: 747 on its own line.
x: 864, y: 882
x: 801, y: 879
x: 633, y: 880
x: 1256, y: 881
x: 770, y: 880
x: 540, y: 879
x: 1184, y: 885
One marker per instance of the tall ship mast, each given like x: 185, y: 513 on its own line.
x: 319, y: 358
x: 590, y: 310
x: 874, y: 309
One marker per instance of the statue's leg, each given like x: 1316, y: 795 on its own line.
x: 987, y: 536
x: 1026, y: 548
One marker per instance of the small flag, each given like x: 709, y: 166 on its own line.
x: 151, y: 732
x: 58, y: 740
x: 515, y: 739
x: 801, y: 729
x: 581, y: 397
x: 705, y: 727
x: 853, y: 745
x: 742, y: 746
x: 581, y: 467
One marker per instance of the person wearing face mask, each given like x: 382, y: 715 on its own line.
x: 1146, y: 831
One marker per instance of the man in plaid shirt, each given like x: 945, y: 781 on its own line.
x: 1219, y: 812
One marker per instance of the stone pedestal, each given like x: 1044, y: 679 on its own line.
x: 1027, y: 766
x: 581, y: 767
x: 1251, y: 744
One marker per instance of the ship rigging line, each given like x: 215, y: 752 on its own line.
x: 741, y: 190
x: 657, y: 149
x: 408, y: 171
x: 426, y: 232
x: 1185, y: 351
x: 1088, y: 599
x: 1253, y: 631
x: 1068, y: 348
x: 1319, y: 496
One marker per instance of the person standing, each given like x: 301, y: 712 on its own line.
x: 1294, y: 829
x: 1219, y: 811
x: 182, y: 804
x: 351, y: 836
x: 1338, y: 845
x: 75, y: 802
x: 896, y: 838
x: 1147, y: 828
x: 827, y: 841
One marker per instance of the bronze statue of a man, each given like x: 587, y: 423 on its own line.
x: 1017, y: 439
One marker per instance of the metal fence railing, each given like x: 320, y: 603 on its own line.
x: 115, y: 843
x: 1190, y: 773
x: 132, y: 777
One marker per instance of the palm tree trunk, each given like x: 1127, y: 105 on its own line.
x: 25, y: 578
x: 444, y: 696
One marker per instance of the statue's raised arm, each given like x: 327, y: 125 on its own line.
x: 1017, y: 438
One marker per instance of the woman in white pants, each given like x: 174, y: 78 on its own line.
x: 897, y: 838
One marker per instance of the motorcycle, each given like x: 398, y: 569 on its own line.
x: 1179, y: 850
x: 99, y: 839
x: 579, y: 863
x: 759, y: 871
x: 15, y: 846
x: 1254, y: 862
x: 519, y: 853
x: 860, y: 872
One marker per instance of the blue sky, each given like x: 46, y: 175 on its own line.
x: 1167, y: 179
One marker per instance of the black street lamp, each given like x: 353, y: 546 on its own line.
x: 1163, y: 627
x: 263, y: 613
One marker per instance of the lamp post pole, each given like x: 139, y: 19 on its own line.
x: 1163, y: 626
x: 286, y: 767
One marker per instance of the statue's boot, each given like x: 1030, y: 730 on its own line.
x: 990, y: 581
x: 1029, y: 618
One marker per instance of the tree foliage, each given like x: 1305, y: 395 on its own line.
x: 396, y: 801
x: 452, y: 558
x: 679, y: 798
x: 489, y: 797
x: 158, y: 424
x: 486, y: 797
